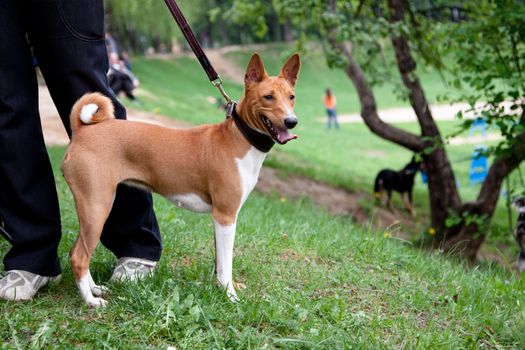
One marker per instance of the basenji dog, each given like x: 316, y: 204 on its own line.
x: 401, y: 181
x: 206, y: 169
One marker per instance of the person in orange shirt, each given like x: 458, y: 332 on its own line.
x: 330, y: 104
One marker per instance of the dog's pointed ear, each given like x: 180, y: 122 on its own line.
x: 291, y: 68
x: 255, y: 72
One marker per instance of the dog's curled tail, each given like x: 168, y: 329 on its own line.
x: 91, y: 108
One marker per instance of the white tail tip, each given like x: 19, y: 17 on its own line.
x: 87, y: 112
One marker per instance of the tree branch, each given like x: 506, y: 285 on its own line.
x: 501, y: 168
x: 366, y: 97
x: 369, y: 109
x: 407, y: 67
x: 441, y: 183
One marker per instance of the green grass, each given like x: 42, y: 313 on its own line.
x: 348, y: 158
x: 179, y: 89
x: 313, y: 282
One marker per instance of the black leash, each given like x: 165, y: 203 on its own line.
x: 215, y: 79
x: 258, y: 140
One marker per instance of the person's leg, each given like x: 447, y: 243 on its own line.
x: 68, y: 37
x: 28, y: 200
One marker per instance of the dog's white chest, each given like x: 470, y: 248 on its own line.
x: 190, y: 201
x: 249, y: 167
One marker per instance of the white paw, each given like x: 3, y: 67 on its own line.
x: 232, y: 295
x: 97, y: 302
x: 98, y: 290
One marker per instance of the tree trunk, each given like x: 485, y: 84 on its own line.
x: 287, y: 31
x: 464, y: 241
x: 442, y: 189
x: 444, y: 197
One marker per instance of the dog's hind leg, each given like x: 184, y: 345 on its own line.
x: 520, y: 239
x: 408, y: 203
x: 521, y: 261
x: 93, y: 208
x: 388, y: 202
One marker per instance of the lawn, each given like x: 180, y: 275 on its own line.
x: 347, y: 158
x: 313, y: 282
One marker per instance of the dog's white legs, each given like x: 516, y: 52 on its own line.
x: 95, y: 289
x: 224, y: 238
x: 86, y: 291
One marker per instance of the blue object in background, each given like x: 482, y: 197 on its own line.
x: 479, y: 123
x: 478, y: 166
x: 424, y: 177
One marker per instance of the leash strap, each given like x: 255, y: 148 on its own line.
x: 215, y: 79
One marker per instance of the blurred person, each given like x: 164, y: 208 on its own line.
x: 124, y: 57
x: 68, y: 40
x: 111, y: 44
x: 120, y: 78
x: 330, y: 104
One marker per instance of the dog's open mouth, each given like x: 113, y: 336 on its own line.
x: 279, y: 134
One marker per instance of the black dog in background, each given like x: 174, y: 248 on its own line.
x: 401, y: 181
x: 519, y: 233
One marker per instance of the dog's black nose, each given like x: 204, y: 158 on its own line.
x: 290, y: 122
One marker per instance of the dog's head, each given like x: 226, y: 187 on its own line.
x: 414, y: 166
x: 519, y: 203
x: 268, y: 103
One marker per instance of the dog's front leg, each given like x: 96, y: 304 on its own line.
x: 224, y: 239
x: 388, y: 202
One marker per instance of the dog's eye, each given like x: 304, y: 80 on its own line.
x: 268, y: 97
x: 292, y: 97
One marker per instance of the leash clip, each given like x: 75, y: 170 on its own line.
x: 218, y: 84
x: 230, y: 104
x: 229, y: 109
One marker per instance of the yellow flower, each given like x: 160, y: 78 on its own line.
x: 431, y: 231
x: 387, y: 234
x: 283, y: 199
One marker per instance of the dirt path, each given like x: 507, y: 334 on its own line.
x: 224, y: 66
x: 446, y: 112
x: 334, y: 200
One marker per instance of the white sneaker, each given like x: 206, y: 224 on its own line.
x: 23, y: 285
x: 132, y: 269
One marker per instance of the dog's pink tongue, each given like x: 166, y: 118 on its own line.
x: 284, y: 135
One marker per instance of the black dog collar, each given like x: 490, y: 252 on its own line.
x: 262, y: 142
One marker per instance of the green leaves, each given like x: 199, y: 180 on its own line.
x: 466, y: 219
x: 488, y: 58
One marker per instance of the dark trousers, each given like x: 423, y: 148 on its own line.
x: 68, y: 41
